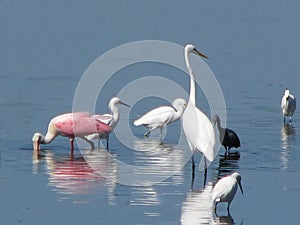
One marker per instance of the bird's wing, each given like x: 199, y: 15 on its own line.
x: 199, y: 131
x: 222, y: 188
x: 283, y: 102
x: 79, y: 124
x: 158, y: 116
x: 105, y: 118
x: 233, y: 137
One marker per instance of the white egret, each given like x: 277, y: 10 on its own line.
x: 225, y: 189
x: 227, y: 137
x: 288, y: 105
x: 162, y: 116
x: 197, y: 127
x: 109, y: 119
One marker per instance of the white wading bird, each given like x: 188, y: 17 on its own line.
x: 197, y: 127
x: 288, y: 105
x: 225, y: 189
x: 161, y: 116
x: 109, y: 119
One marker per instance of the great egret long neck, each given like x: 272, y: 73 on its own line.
x: 192, y: 98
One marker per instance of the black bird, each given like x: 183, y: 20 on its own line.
x: 227, y: 137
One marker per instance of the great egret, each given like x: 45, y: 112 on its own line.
x: 227, y: 137
x: 109, y: 119
x: 288, y: 105
x: 197, y: 127
x: 162, y: 116
x: 225, y: 189
x: 71, y: 125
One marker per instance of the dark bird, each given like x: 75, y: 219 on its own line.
x: 227, y: 137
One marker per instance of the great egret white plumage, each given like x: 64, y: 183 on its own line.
x: 227, y: 137
x: 109, y: 119
x: 197, y: 127
x: 288, y: 105
x: 161, y: 116
x: 78, y: 124
x: 225, y: 189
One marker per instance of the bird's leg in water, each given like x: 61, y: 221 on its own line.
x: 193, y: 167
x: 90, y: 142
x: 72, y: 144
x: 228, y: 209
x: 147, y: 133
x: 205, y: 172
x: 107, y: 138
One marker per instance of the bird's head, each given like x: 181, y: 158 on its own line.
x: 238, y: 178
x: 114, y: 101
x: 216, y: 119
x: 191, y: 48
x: 36, y: 140
x: 179, y: 103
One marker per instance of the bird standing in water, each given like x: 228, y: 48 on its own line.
x: 225, y: 189
x: 109, y: 119
x: 197, y: 127
x: 162, y: 116
x: 288, y: 105
x: 71, y: 125
x: 227, y: 137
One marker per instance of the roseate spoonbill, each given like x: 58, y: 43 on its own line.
x: 161, y: 116
x: 71, y: 125
x: 109, y: 119
x: 288, y: 105
x: 197, y: 127
x: 225, y: 189
x: 227, y: 137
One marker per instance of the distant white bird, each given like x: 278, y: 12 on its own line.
x: 225, y: 189
x: 288, y: 105
x: 162, y: 116
x: 109, y: 119
x: 197, y: 127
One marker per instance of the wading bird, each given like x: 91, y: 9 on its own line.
x: 225, y: 189
x: 288, y: 105
x: 71, y: 125
x: 197, y: 127
x: 228, y: 137
x: 162, y: 116
x: 109, y: 119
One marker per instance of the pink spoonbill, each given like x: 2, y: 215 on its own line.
x: 71, y: 125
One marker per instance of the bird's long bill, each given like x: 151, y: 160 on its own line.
x: 241, y: 187
x: 200, y: 54
x: 124, y: 104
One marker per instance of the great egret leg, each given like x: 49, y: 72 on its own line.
x: 107, y: 140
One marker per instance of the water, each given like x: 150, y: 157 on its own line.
x: 45, y: 48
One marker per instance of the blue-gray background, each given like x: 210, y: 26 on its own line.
x: 45, y: 47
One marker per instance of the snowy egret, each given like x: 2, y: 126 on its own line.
x: 288, y: 105
x: 225, y: 189
x: 162, y: 116
x: 227, y: 137
x: 197, y: 127
x: 109, y: 119
x: 71, y: 125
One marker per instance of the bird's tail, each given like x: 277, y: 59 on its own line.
x: 138, y: 122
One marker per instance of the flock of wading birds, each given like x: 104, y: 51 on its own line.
x: 198, y: 129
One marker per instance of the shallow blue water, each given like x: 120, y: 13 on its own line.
x: 45, y: 48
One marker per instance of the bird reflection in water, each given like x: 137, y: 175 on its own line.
x: 198, y: 207
x: 287, y: 141
x: 73, y: 176
x: 228, y: 164
x: 158, y: 162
